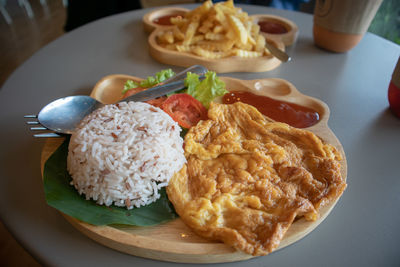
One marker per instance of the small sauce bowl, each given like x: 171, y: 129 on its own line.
x: 277, y: 28
x: 160, y: 18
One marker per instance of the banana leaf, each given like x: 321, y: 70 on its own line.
x: 65, y: 198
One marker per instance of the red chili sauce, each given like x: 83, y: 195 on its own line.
x: 272, y: 27
x: 292, y: 114
x: 165, y: 20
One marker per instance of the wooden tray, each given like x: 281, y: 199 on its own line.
x: 230, y: 64
x: 174, y: 241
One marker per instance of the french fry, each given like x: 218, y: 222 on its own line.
x: 248, y: 25
x: 201, y: 10
x: 179, y: 21
x: 221, y: 46
x: 218, y: 29
x: 191, y: 30
x: 215, y: 31
x: 221, y: 17
x: 214, y: 36
x: 210, y: 54
x: 266, y: 52
x: 198, y: 38
x: 260, y: 43
x: 206, y: 26
x: 246, y: 46
x: 170, y: 46
x: 178, y: 35
x: 239, y: 28
x: 167, y: 38
x: 183, y: 48
x: 228, y: 3
x: 246, y: 53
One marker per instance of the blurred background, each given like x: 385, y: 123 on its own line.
x: 28, y: 25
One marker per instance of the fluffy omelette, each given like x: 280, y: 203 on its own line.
x: 247, y: 178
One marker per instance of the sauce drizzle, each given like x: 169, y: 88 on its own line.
x: 290, y: 113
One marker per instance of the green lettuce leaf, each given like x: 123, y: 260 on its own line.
x: 206, y: 90
x: 63, y: 196
x: 129, y: 85
x: 150, y: 81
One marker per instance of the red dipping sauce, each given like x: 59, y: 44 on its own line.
x: 292, y: 114
x: 165, y: 20
x: 272, y: 27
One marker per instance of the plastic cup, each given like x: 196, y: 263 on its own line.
x: 339, y: 25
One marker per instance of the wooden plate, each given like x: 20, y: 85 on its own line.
x: 230, y: 64
x: 174, y: 241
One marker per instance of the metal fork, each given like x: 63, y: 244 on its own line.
x: 170, y: 84
x: 38, y: 127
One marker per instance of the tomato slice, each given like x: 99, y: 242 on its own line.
x: 133, y: 91
x: 157, y: 102
x: 186, y: 110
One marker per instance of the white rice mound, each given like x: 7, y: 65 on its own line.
x: 122, y: 154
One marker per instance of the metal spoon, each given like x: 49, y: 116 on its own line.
x: 64, y: 114
x: 276, y: 52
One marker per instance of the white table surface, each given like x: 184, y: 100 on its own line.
x: 363, y: 228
